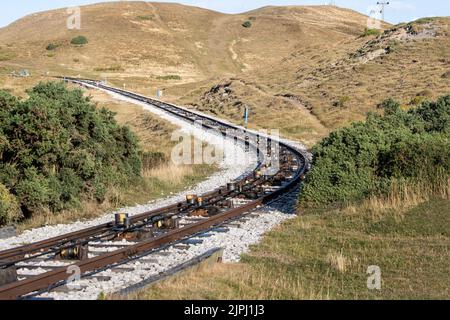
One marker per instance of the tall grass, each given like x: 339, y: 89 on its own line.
x: 404, y: 195
x: 169, y: 172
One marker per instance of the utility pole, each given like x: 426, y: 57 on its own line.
x: 383, y: 4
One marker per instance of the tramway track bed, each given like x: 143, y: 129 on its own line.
x: 125, y: 249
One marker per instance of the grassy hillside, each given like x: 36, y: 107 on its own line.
x: 151, y: 41
x: 331, y: 87
x: 303, y: 70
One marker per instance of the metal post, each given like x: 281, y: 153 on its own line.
x: 383, y: 4
x: 246, y: 115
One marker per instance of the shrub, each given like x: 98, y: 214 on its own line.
x: 425, y: 20
x: 169, y: 77
x: 111, y: 68
x: 365, y: 158
x: 80, y: 40
x: 370, y: 32
x: 51, y: 46
x: 247, y: 24
x: 9, y: 208
x: 147, y: 17
x: 342, y: 102
x: 56, y: 149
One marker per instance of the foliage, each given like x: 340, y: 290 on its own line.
x: 370, y: 32
x: 111, y: 68
x: 147, y: 17
x: 169, y: 77
x: 342, y: 102
x: 56, y: 149
x: 424, y: 20
x: 365, y: 158
x: 51, y: 46
x: 247, y: 24
x: 9, y: 208
x: 80, y: 40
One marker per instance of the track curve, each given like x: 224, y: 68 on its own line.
x: 257, y: 189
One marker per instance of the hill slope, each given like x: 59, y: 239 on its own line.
x: 303, y: 70
x: 158, y: 39
x: 339, y: 84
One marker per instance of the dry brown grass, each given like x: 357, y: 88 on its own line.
x: 224, y: 282
x: 199, y: 46
x: 324, y: 88
x: 153, y: 132
x: 404, y: 196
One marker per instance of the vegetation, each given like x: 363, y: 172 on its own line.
x: 342, y: 102
x: 9, y: 208
x: 370, y: 32
x: 159, y: 177
x: 169, y: 77
x: 111, y: 68
x: 147, y: 17
x: 52, y: 46
x: 366, y: 158
x: 79, y: 41
x: 424, y: 20
x: 56, y: 149
x: 6, y: 55
x: 325, y: 255
x: 247, y: 24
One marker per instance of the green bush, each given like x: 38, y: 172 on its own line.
x: 247, y: 24
x: 9, y: 208
x: 370, y: 32
x: 57, y: 149
x: 80, y: 40
x: 365, y: 158
x: 147, y: 17
x: 51, y: 46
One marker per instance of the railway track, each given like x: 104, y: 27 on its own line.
x: 126, y: 238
